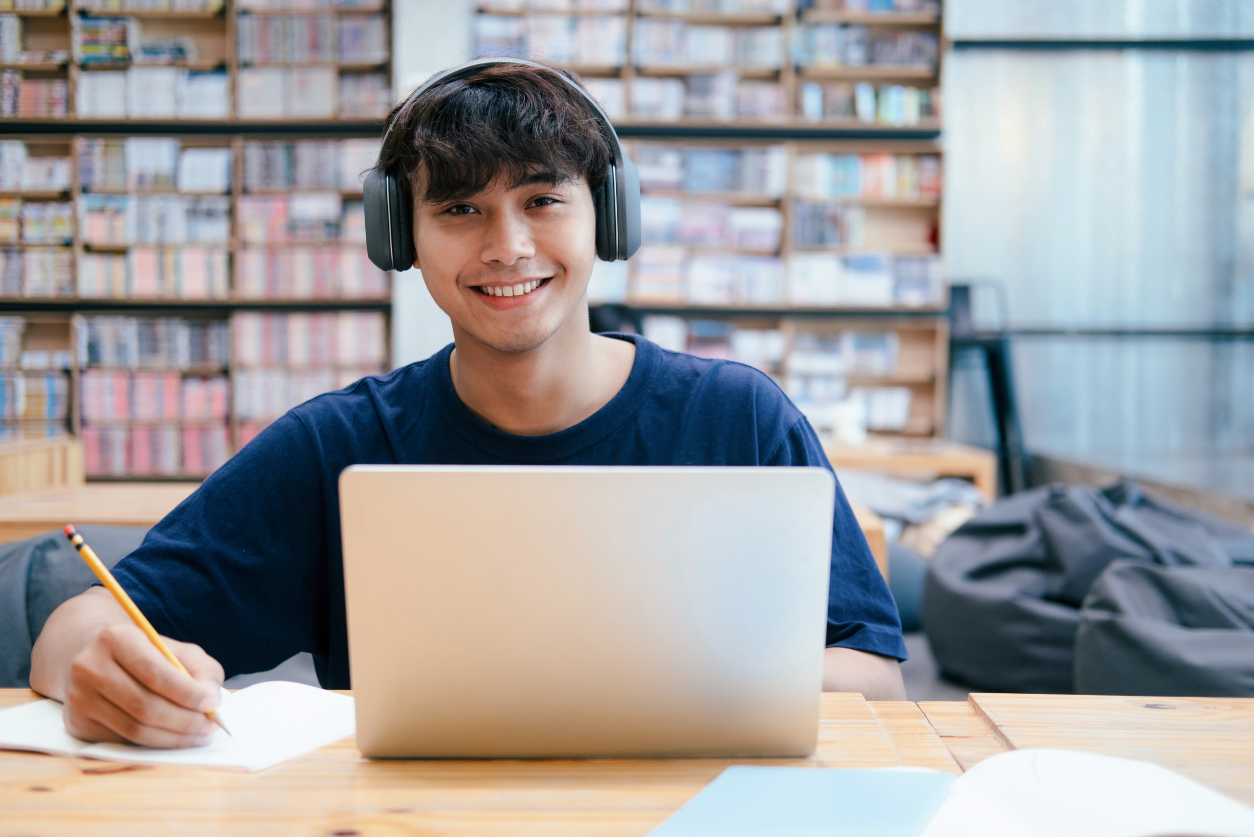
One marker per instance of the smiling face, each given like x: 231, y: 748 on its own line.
x: 510, y: 264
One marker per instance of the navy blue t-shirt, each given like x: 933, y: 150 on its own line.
x: 249, y: 566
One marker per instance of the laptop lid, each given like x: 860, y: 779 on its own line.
x: 520, y: 612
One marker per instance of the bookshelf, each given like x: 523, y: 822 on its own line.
x: 791, y: 187
x: 186, y: 318
x: 195, y: 61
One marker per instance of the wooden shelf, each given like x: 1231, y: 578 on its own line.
x: 22, y: 245
x: 34, y: 12
x: 177, y: 421
x: 154, y: 14
x: 921, y: 250
x: 871, y: 18
x: 661, y: 71
x: 79, y: 303
x: 868, y: 71
x: 37, y: 66
x: 192, y: 369
x: 715, y: 18
x: 551, y: 12
x: 311, y: 12
x: 732, y: 198
x: 780, y: 309
x: 593, y: 69
x: 347, y: 67
x: 195, y: 66
x: 344, y: 193
x: 872, y: 203
x: 147, y: 192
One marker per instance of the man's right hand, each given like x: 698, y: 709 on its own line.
x: 115, y: 685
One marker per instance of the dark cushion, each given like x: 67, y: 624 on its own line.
x: 1002, y: 596
x: 36, y: 576
x: 1172, y: 631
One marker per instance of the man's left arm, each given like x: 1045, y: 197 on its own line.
x: 850, y: 670
x: 863, y: 631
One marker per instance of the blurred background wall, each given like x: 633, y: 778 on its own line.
x: 1100, y: 193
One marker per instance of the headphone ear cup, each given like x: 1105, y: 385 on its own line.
x: 402, y: 227
x: 601, y: 201
x: 629, y: 223
x: 376, y: 202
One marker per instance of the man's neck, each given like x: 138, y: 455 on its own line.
x: 548, y: 389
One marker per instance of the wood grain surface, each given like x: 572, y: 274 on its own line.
x: 913, y: 736
x: 334, y: 791
x: 967, y: 734
x: 122, y: 504
x: 1210, y: 740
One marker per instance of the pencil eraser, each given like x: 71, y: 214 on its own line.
x: 69, y: 531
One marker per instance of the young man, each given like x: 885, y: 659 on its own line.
x: 502, y: 164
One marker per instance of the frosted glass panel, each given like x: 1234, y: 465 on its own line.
x: 1064, y: 19
x: 1103, y: 187
x: 1107, y: 188
x: 1101, y: 398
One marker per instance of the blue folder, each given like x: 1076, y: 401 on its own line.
x: 810, y: 802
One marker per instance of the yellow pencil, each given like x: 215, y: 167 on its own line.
x: 107, y: 579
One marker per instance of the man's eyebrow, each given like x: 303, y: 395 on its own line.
x: 545, y: 178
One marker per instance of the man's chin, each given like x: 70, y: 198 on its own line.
x: 518, y: 341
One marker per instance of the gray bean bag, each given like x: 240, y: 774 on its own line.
x: 36, y: 576
x: 1001, y: 600
x: 1174, y: 631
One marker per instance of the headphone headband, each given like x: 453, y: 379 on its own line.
x: 389, y: 224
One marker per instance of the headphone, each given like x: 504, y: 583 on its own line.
x: 389, y: 219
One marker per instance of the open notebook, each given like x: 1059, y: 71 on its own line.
x: 1021, y: 793
x: 270, y: 723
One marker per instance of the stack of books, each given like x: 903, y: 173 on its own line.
x: 713, y: 96
x: 844, y: 45
x: 308, y: 164
x: 670, y: 43
x: 47, y: 222
x: 870, y: 279
x: 209, y: 6
x: 907, y: 177
x: 820, y: 366
x: 712, y: 7
x: 152, y: 92
x: 887, y: 104
x: 763, y: 348
x: 152, y: 343
x: 285, y: 359
x: 47, y: 272
x: 32, y: 98
x: 586, y: 41
x: 153, y: 272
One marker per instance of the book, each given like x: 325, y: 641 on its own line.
x: 270, y: 723
x: 152, y: 343
x: 1026, y: 793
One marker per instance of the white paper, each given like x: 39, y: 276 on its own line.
x: 1062, y: 793
x: 270, y: 723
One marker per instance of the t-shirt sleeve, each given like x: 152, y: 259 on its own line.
x: 861, y: 613
x: 239, y: 566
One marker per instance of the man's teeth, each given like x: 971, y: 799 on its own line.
x: 512, y: 290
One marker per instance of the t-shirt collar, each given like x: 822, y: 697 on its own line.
x: 553, y: 446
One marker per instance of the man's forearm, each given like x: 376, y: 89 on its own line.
x: 68, y: 630
x: 876, y: 677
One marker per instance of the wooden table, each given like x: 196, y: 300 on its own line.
x: 334, y: 791
x: 919, y: 458
x: 122, y: 504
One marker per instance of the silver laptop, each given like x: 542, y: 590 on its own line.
x: 531, y: 612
